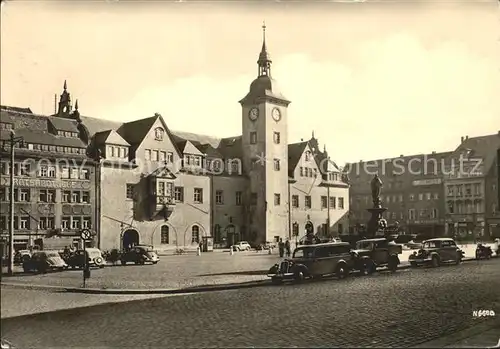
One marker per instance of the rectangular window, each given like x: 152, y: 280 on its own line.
x: 163, y: 156
x: 219, y: 197
x: 253, y: 137
x: 308, y: 201
x: 341, y: 203
x: 25, y: 169
x: 86, y: 223
x: 24, y: 223
x: 147, y: 155
x: 66, y: 196
x: 164, y: 235
x: 160, y: 190
x: 42, y: 223
x: 324, y: 202
x: 24, y: 195
x: 277, y: 199
x: 277, y: 139
x: 154, y: 155
x: 86, y: 197
x: 64, y: 172
x: 295, y: 201
x: 84, y: 173
x: 333, y: 202
x: 412, y: 197
x: 411, y: 214
x: 198, y: 195
x: 74, y: 173
x: 130, y: 191
x: 43, y: 171
x: 179, y: 194
x: 400, y: 197
x: 75, y: 196
x: 277, y: 166
x: 239, y: 198
x: 436, y: 196
x: 434, y: 213
x: 51, y: 172
x: 75, y: 223
x: 170, y: 157
x: 420, y: 197
x: 428, y: 196
x: 301, y: 171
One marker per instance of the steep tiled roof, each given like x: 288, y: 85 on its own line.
x: 231, y: 148
x: 295, y: 151
x: 95, y: 125
x: 197, y: 139
x: 135, y: 131
x: 209, y: 151
x: 61, y: 124
x: 17, y: 109
x: 483, y: 147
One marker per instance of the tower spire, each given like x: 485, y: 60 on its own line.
x: 65, y: 86
x: 264, y: 61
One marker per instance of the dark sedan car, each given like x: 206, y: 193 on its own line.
x: 434, y: 252
x: 43, y: 261
x: 140, y: 254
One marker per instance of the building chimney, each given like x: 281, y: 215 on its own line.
x: 462, y: 139
x: 466, y: 137
x: 302, y: 139
x: 433, y: 152
x: 401, y: 156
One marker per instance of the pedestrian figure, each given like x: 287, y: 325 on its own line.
x: 200, y: 246
x: 281, y: 247
x: 287, y: 247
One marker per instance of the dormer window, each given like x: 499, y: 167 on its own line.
x: 159, y: 133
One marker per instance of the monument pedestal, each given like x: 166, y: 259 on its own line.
x: 374, y: 222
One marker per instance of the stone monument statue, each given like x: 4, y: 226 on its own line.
x: 376, y: 185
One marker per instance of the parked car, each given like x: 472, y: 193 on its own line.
x: 140, y: 254
x: 20, y: 256
x: 314, y: 261
x: 43, y: 261
x: 483, y: 251
x: 243, y: 246
x: 435, y: 252
x: 94, y: 258
x: 412, y: 245
x: 375, y: 253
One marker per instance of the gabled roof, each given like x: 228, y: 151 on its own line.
x: 209, y: 151
x: 231, y: 148
x: 135, y: 131
x: 95, y: 125
x: 186, y: 147
x: 295, y: 151
x: 109, y: 137
x: 163, y: 172
x: 197, y: 139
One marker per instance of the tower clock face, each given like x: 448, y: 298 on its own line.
x: 253, y: 114
x: 276, y: 114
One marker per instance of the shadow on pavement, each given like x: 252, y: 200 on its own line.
x: 249, y: 272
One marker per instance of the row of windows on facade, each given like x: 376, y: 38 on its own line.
x: 44, y: 223
x: 475, y: 206
x: 25, y: 169
x: 45, y: 195
x: 399, y: 198
x: 412, y: 214
x: 165, y: 234
x: 52, y: 148
x: 254, y: 139
x: 464, y: 189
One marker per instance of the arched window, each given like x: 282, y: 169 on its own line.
x: 165, y: 234
x: 217, y: 234
x: 195, y: 234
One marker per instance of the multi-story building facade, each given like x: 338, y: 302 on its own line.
x: 471, y: 188
x: 171, y: 189
x: 54, y: 181
x: 412, y: 192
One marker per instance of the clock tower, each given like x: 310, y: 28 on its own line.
x: 265, y: 154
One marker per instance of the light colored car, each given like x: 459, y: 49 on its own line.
x: 243, y: 246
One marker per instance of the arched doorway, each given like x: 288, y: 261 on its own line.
x: 130, y: 238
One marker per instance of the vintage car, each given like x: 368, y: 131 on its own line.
x: 43, y: 261
x: 21, y: 255
x: 436, y: 251
x: 139, y: 254
x: 371, y: 254
x: 314, y: 261
x: 94, y: 258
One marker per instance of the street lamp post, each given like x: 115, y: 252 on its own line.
x: 13, y: 141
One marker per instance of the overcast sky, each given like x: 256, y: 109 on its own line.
x: 373, y: 80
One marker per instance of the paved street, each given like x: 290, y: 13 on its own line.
x: 385, y: 310
x: 175, y: 272
x: 17, y: 302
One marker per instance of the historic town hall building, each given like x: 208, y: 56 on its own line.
x: 171, y: 189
